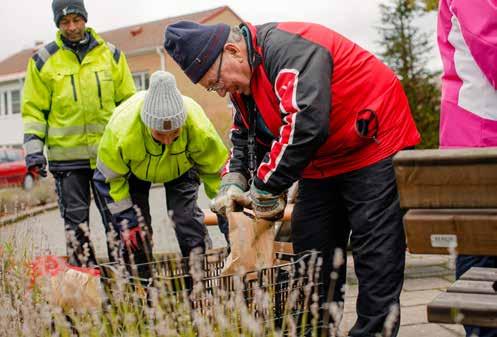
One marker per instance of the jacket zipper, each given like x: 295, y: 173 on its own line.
x: 148, y: 165
x: 99, y: 90
x: 74, y: 88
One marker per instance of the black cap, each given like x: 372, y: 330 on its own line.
x: 61, y: 8
x: 195, y: 47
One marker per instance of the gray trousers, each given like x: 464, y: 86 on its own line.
x: 181, y: 199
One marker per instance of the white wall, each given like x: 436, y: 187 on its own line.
x: 11, y: 130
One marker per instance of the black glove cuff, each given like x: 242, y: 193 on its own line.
x: 36, y: 159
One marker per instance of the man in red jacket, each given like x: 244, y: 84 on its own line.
x: 312, y: 106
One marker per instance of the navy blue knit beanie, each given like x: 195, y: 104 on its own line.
x: 195, y: 47
x: 62, y: 8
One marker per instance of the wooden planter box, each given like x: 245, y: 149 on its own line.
x: 461, y: 178
x: 470, y: 232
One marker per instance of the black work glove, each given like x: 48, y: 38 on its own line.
x: 37, y: 162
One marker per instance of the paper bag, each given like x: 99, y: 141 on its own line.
x: 70, y: 287
x: 251, y: 243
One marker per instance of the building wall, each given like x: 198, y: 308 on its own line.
x: 149, y: 62
x: 217, y: 108
x: 11, y: 131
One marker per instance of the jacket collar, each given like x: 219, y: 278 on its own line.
x: 94, y: 41
x: 250, y: 35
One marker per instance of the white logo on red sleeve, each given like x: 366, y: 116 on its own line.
x: 285, y: 87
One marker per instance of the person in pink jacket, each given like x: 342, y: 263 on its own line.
x: 467, y: 39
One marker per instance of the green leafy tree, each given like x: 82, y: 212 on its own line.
x: 430, y: 5
x: 406, y: 49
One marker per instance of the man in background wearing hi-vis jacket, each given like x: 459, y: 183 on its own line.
x: 158, y: 136
x: 72, y: 87
x: 325, y: 112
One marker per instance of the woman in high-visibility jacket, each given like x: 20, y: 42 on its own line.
x: 159, y: 136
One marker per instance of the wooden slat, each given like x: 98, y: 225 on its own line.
x: 210, y: 218
x: 473, y: 287
x: 471, y: 309
x: 283, y: 247
x: 480, y: 274
x: 474, y: 230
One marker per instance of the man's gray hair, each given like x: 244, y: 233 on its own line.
x: 235, y: 35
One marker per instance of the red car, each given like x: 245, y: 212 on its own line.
x: 13, y: 170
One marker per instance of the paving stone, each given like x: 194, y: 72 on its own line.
x: 428, y: 330
x: 414, y: 315
x: 427, y: 271
x: 413, y: 324
x: 350, y: 303
x: 425, y: 284
x: 347, y: 322
x: 429, y: 260
x: 351, y: 290
x: 409, y: 315
x: 458, y: 329
x: 451, y: 278
x: 413, y: 298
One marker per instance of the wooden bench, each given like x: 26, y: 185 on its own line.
x: 471, y: 300
x: 452, y: 200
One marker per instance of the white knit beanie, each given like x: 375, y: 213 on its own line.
x: 163, y: 108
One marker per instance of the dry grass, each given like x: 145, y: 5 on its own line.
x: 15, y: 199
x: 128, y: 311
x: 165, y: 308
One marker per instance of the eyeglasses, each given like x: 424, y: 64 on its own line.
x: 217, y: 85
x: 366, y: 124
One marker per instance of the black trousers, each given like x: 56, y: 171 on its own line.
x: 73, y: 191
x: 181, y: 199
x: 365, y: 204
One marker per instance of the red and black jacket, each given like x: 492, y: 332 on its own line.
x: 325, y: 106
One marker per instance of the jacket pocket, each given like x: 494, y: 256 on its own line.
x: 65, y: 93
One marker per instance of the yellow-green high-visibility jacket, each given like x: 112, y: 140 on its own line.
x: 127, y: 147
x: 67, y: 103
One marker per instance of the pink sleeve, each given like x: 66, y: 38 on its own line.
x: 478, y: 21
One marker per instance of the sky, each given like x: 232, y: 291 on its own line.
x: 22, y: 22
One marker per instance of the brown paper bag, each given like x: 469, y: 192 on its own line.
x: 72, y: 288
x: 251, y: 244
x: 76, y: 290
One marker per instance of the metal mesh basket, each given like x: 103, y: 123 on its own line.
x: 290, y: 283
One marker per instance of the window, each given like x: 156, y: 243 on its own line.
x: 10, y: 102
x: 141, y: 80
x: 4, y: 104
x: 15, y: 101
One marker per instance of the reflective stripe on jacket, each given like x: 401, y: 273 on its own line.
x: 127, y: 147
x: 67, y: 103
